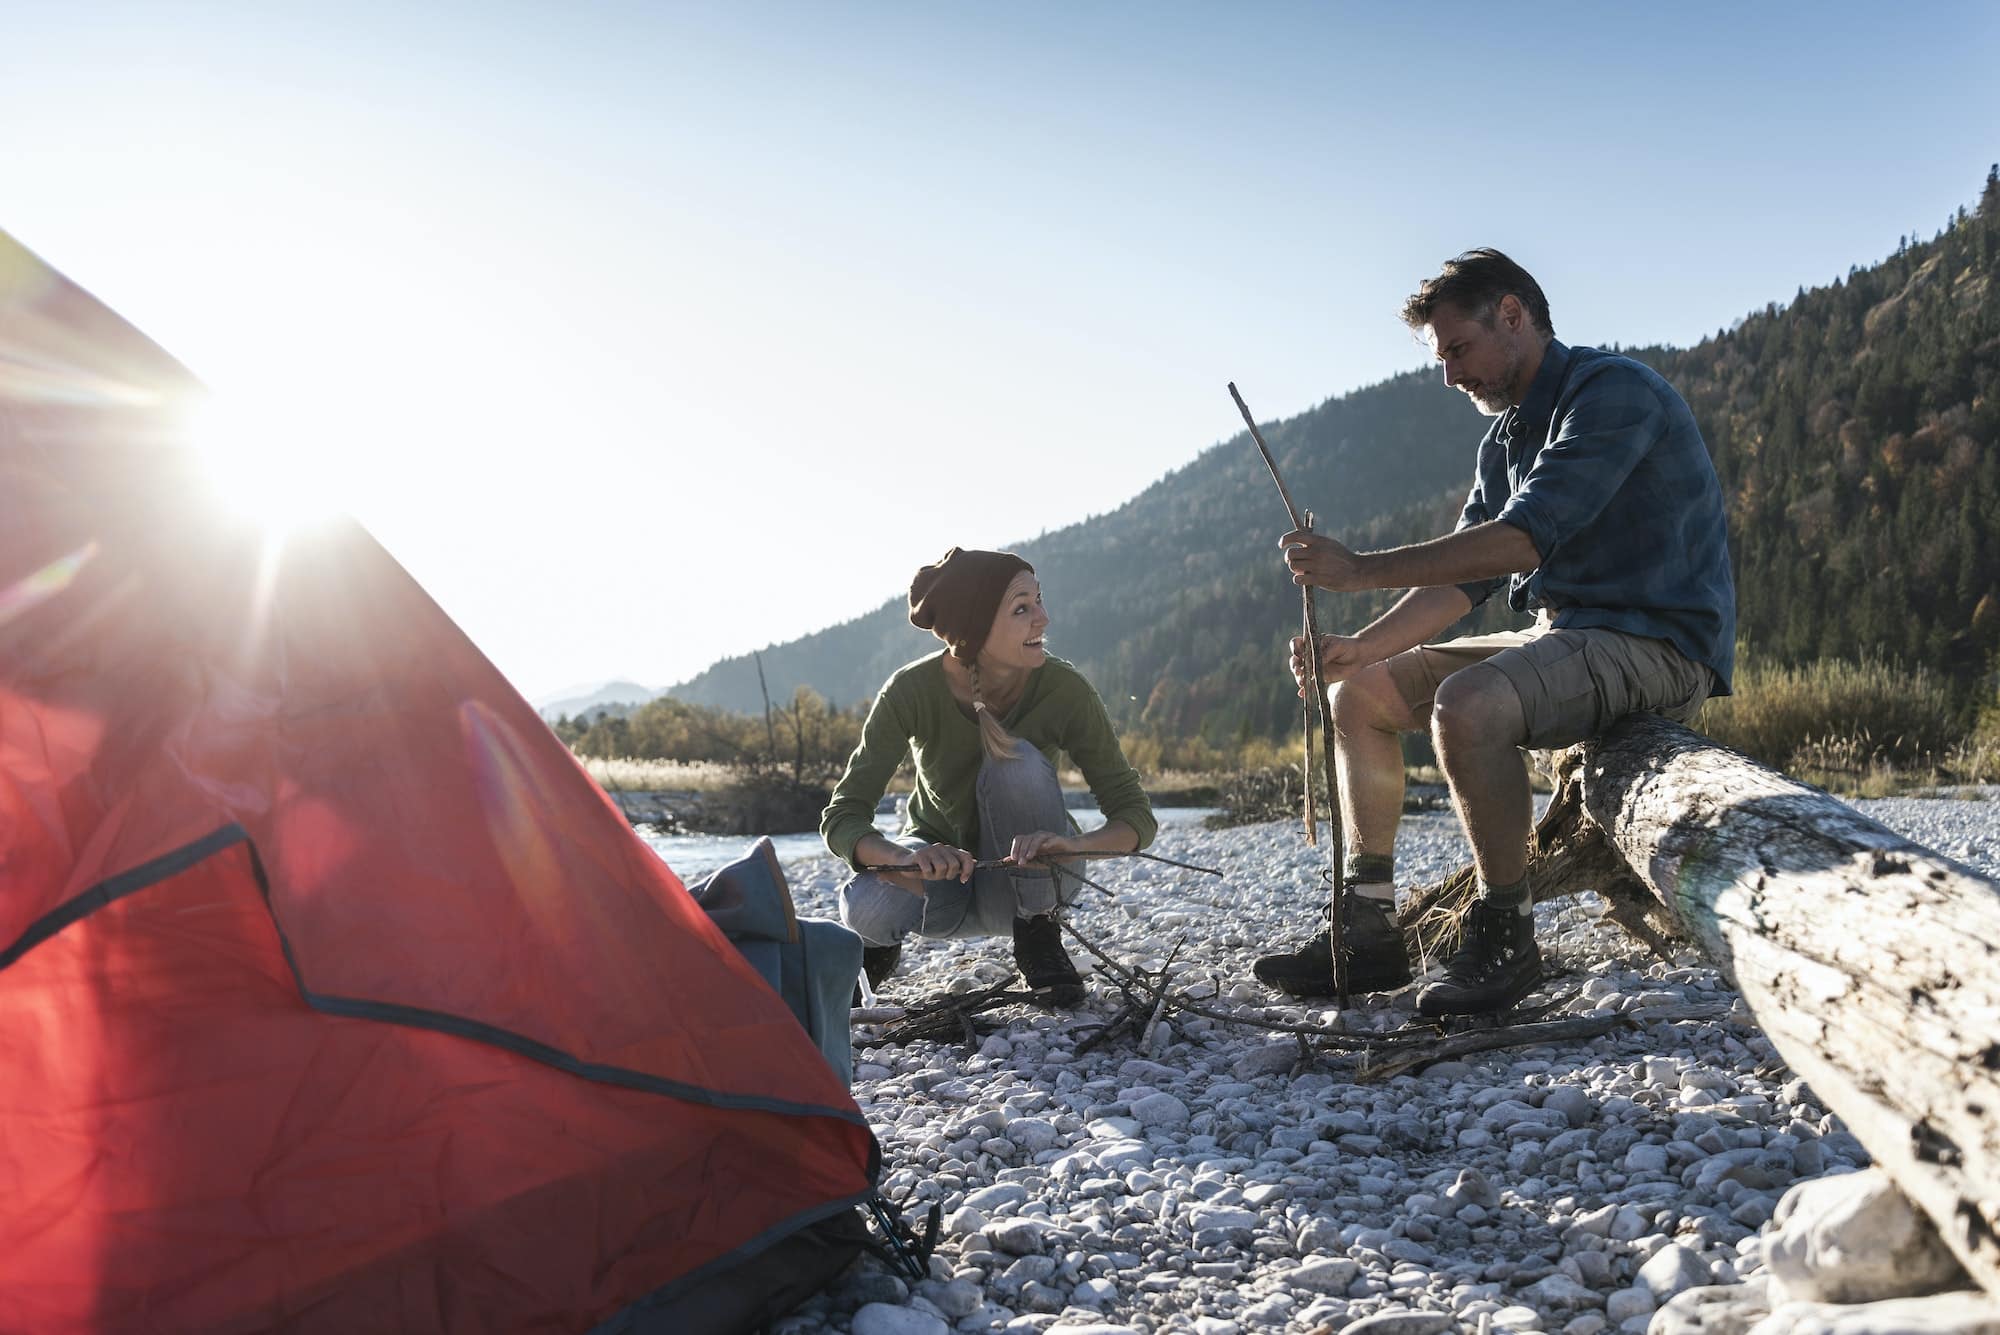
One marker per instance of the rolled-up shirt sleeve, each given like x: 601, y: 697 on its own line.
x: 1611, y: 424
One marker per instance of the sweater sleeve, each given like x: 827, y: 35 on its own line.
x: 1093, y: 745
x: 885, y: 740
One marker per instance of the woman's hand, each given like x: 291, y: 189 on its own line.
x: 1340, y: 657
x: 941, y: 862
x: 1040, y: 846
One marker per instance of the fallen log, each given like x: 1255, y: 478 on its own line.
x: 1871, y: 962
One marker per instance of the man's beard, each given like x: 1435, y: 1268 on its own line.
x: 1492, y: 399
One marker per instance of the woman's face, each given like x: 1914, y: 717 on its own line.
x: 1016, y: 638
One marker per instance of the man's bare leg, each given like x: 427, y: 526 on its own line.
x: 1367, y: 712
x: 1369, y: 718
x: 1478, y: 726
x: 1478, y: 729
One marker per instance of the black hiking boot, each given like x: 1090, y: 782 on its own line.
x: 1045, y: 965
x: 1497, y: 965
x: 1371, y: 940
x: 877, y: 962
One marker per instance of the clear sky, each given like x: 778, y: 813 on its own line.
x: 646, y: 333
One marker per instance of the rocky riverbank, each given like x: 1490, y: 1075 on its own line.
x: 1224, y: 1181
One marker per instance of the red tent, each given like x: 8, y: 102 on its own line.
x: 333, y: 994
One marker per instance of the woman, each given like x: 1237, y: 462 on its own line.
x: 984, y: 718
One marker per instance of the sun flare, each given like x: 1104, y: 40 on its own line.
x: 269, y: 464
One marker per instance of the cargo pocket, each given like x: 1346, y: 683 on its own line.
x: 1553, y: 676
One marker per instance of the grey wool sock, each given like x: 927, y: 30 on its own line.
x: 1515, y: 894
x: 1371, y: 876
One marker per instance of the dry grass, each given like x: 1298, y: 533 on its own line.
x: 1867, y: 729
x: 626, y: 775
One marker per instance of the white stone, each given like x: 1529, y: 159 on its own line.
x: 1671, y: 1269
x: 1854, y: 1238
x: 1094, y: 1293
x: 1644, y: 1158
x: 1325, y: 1274
x: 884, y: 1319
x: 1624, y: 1304
x: 1227, y: 1217
x: 1033, y: 1134
x: 1959, y: 1313
x: 1571, y: 1102
x: 1019, y: 1237
x: 1270, y: 1059
x: 989, y: 1199
x: 964, y: 1220
x: 1160, y: 1110
x: 1401, y: 1323
x: 1559, y: 1290
x: 955, y: 1298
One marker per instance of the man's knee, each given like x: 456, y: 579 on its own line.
x: 1478, y: 706
x: 1370, y: 699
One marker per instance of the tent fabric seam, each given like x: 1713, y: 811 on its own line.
x: 129, y: 882
x: 621, y: 1321
x: 148, y: 874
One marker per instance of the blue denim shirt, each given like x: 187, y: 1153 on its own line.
x: 1602, y: 466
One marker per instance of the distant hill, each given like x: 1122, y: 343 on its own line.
x: 1186, y: 554
x: 613, y: 697
x: 1856, y: 430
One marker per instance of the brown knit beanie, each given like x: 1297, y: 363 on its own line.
x: 957, y: 597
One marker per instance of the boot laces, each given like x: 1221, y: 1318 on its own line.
x: 1489, y: 945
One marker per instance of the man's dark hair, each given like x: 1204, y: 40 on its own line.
x: 1474, y: 283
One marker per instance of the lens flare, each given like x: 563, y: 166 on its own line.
x: 38, y: 587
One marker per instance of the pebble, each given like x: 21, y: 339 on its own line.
x: 1220, y: 1183
x: 883, y: 1319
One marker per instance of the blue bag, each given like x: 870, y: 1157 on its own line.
x: 811, y: 962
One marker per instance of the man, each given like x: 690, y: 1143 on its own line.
x: 1594, y: 502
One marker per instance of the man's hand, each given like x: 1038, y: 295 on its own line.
x: 1317, y: 560
x: 1041, y: 845
x: 1340, y: 657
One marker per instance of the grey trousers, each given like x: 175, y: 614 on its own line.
x: 1017, y: 796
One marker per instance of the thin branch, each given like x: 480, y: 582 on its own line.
x: 984, y: 864
x: 1386, y: 1063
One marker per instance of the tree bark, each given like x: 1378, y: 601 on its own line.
x: 1872, y: 963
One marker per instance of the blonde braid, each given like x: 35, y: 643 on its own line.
x: 998, y: 741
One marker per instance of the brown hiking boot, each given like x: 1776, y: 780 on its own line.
x: 1497, y: 966
x: 1376, y: 959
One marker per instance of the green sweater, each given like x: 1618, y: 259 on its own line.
x: 1059, y: 711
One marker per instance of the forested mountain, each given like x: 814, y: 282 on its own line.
x: 1856, y: 430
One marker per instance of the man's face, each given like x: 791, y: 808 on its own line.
x: 1489, y: 360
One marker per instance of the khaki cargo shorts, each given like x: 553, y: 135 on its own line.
x: 1573, y: 682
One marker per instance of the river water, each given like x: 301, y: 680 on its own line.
x: 693, y: 856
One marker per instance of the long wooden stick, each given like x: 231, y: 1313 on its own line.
x: 1337, y: 880
x: 1306, y: 710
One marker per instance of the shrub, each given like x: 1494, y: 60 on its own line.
x: 1853, y: 726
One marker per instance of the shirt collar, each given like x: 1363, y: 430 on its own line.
x: 1531, y: 418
